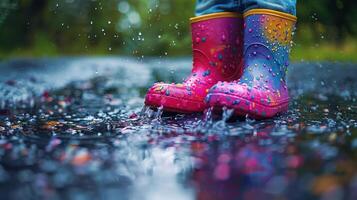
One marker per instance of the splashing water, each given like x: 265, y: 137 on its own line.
x: 227, y: 114
x: 208, y: 115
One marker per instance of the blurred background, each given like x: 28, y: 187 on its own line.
x: 143, y: 28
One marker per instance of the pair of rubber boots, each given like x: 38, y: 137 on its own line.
x: 239, y: 62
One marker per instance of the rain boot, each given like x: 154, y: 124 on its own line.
x: 217, y: 43
x: 261, y: 92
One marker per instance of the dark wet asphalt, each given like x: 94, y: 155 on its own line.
x: 75, y: 128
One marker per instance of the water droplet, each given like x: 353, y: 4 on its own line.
x: 224, y: 37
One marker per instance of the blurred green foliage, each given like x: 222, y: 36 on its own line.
x: 326, y: 28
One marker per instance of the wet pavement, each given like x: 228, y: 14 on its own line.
x: 76, y: 128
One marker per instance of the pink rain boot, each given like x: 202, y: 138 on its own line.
x: 261, y: 92
x: 217, y: 52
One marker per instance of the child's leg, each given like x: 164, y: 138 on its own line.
x: 204, y: 7
x: 286, y: 6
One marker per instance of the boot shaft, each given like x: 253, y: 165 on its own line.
x: 269, y: 33
x: 217, y: 43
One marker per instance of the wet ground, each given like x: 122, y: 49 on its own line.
x: 75, y: 128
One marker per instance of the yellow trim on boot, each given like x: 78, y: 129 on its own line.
x: 270, y: 12
x: 214, y: 16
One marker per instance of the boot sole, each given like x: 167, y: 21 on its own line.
x: 219, y: 100
x: 177, y: 105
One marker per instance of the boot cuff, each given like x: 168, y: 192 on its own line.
x: 215, y: 16
x: 270, y: 12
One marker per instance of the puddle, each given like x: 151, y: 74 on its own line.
x: 75, y: 128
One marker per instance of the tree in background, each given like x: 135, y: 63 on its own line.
x: 5, y: 7
x: 332, y: 20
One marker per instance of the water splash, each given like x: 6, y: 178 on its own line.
x: 159, y: 113
x: 208, y: 118
x: 227, y: 114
